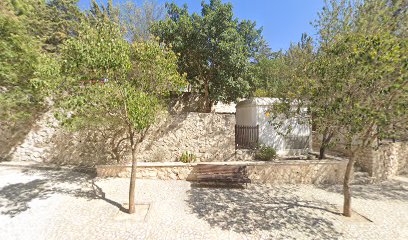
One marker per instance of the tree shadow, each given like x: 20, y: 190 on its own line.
x: 275, y: 210
x: 100, y: 194
x: 388, y: 190
x: 16, y: 198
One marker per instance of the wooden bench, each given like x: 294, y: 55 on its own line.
x: 226, y: 174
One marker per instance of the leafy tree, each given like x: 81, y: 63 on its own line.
x: 367, y: 78
x: 215, y: 49
x: 112, y: 84
x: 275, y: 72
x: 61, y: 18
x: 51, y: 22
x: 137, y: 19
x: 355, y: 86
x: 19, y: 59
x: 106, y: 13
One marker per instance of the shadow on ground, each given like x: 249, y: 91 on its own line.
x: 389, y: 190
x: 15, y: 198
x: 277, y: 210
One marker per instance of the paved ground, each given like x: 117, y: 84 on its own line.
x: 46, y: 204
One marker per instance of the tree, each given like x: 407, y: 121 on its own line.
x: 361, y: 68
x: 23, y: 64
x: 52, y: 22
x: 366, y: 99
x: 215, y: 49
x: 137, y: 19
x: 355, y: 87
x: 281, y: 70
x: 112, y: 84
x: 19, y: 62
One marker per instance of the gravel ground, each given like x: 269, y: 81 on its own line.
x: 47, y: 204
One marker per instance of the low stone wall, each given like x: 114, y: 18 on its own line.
x: 382, y: 161
x: 299, y: 172
x: 284, y: 171
x: 162, y: 171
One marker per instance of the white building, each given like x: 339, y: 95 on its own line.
x: 256, y: 112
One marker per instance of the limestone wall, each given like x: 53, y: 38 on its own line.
x: 391, y: 159
x: 284, y: 172
x: 173, y: 171
x: 209, y: 136
x: 319, y: 172
x: 37, y: 144
x: 13, y: 133
x: 382, y: 161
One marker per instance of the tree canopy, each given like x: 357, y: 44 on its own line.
x: 354, y: 82
x: 110, y: 83
x: 215, y: 49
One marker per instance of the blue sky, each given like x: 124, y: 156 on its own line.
x: 283, y: 21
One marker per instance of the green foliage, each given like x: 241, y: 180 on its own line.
x: 137, y: 19
x: 215, y: 49
x: 18, y: 51
x: 18, y: 63
x: 112, y: 84
x: 280, y: 71
x: 354, y: 85
x: 265, y: 153
x: 154, y: 65
x: 51, y: 22
x: 187, y: 157
x: 98, y: 52
x: 367, y: 81
x: 30, y: 31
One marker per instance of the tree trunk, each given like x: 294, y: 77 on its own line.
x: 132, y: 185
x: 322, y: 151
x: 346, y: 187
x: 327, y: 136
x: 207, y: 102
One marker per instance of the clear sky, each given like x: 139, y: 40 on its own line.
x: 283, y: 21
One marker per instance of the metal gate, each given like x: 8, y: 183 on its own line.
x: 246, y: 137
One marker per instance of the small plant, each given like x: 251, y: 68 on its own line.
x: 187, y: 157
x: 265, y: 153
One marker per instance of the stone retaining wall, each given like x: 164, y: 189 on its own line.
x: 37, y: 143
x: 382, y: 161
x: 209, y: 136
x: 285, y: 171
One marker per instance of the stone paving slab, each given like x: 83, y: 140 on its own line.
x: 50, y: 204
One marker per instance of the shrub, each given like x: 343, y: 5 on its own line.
x: 187, y: 157
x: 265, y: 153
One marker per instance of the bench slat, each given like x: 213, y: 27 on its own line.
x: 226, y: 180
x: 216, y: 171
x: 209, y: 176
x: 221, y: 173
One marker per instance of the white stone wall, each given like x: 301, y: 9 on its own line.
x: 209, y: 136
x: 37, y: 145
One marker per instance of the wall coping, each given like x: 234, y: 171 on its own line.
x: 242, y: 163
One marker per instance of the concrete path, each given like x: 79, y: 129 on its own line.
x: 49, y: 204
